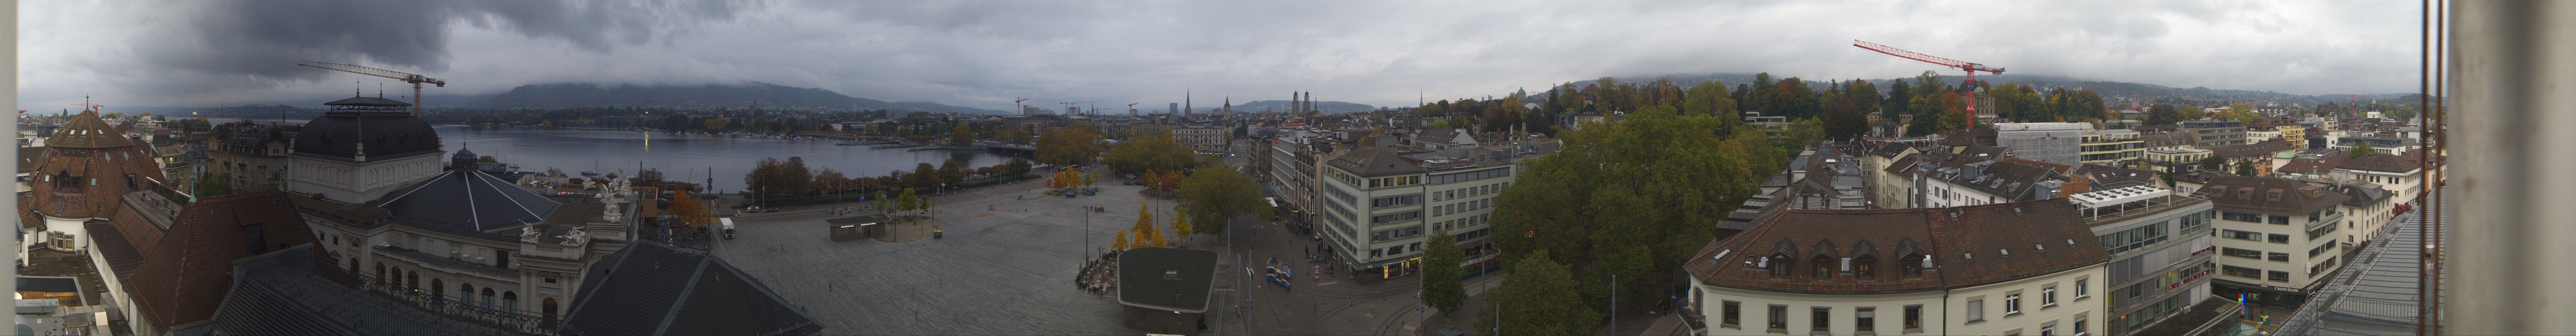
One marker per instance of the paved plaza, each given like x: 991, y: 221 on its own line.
x: 1009, y: 270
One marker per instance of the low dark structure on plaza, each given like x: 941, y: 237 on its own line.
x: 1166, y: 289
x: 856, y: 227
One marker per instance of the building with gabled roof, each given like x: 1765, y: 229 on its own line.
x: 2278, y: 238
x: 87, y: 169
x: 650, y: 288
x: 2007, y: 268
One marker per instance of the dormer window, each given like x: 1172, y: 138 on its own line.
x: 1778, y: 264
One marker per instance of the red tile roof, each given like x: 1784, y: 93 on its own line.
x: 1969, y: 246
x: 2386, y: 163
x: 2248, y: 193
x: 184, y: 277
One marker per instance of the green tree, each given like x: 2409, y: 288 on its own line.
x: 961, y: 135
x: 1441, y: 288
x: 1072, y: 144
x: 1215, y: 194
x: 2245, y: 168
x: 214, y: 185
x: 2213, y: 163
x: 1929, y: 116
x: 2362, y: 149
x: 1540, y: 298
x: 908, y: 201
x: 1157, y: 150
x: 1657, y: 179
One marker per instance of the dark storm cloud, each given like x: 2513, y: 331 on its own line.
x: 985, y: 53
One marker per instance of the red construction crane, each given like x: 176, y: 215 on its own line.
x: 1968, y: 91
x: 1024, y: 109
x: 1131, y: 109
x: 2347, y: 104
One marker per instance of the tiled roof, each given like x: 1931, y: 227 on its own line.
x: 86, y: 130
x: 1143, y: 281
x: 31, y: 157
x: 103, y: 170
x: 184, y: 278
x: 282, y: 293
x: 2254, y: 194
x: 2060, y: 168
x: 2260, y: 149
x: 2385, y: 163
x: 1986, y: 152
x: 653, y: 289
x: 2321, y: 164
x: 1969, y: 246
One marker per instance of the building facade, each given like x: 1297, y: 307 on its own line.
x: 253, y: 155
x: 2278, y: 239
x: 2161, y: 260
x: 2207, y: 133
x: 2116, y: 148
x: 1379, y: 206
x: 2032, y: 270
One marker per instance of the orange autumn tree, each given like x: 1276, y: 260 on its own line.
x: 1122, y: 242
x: 688, y: 209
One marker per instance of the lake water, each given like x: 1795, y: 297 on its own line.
x: 687, y: 157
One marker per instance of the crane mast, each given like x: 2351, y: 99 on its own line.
x: 1968, y: 91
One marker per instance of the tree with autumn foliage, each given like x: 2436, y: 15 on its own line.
x: 1122, y: 242
x: 688, y: 209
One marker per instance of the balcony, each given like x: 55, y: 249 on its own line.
x: 456, y: 307
x: 428, y: 259
x: 2142, y: 208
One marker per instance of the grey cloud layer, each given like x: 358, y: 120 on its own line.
x: 984, y: 53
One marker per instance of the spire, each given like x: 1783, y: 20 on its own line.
x: 1185, y: 102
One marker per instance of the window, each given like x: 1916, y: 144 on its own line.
x: 1779, y: 318
x: 2134, y: 238
x: 1976, y: 311
x: 2280, y: 238
x: 550, y: 308
x: 2321, y: 231
x: 1914, y: 318
x: 1912, y: 265
x: 2241, y: 272
x: 2242, y: 217
x: 2241, y: 253
x: 2048, y: 330
x: 2012, y: 304
x: 1824, y: 267
x: 2081, y: 289
x: 2280, y: 220
x: 550, y: 280
x: 2279, y: 275
x: 1779, y: 265
x: 2321, y: 249
x: 2048, y: 297
x: 2079, y: 324
x: 1824, y: 320
x: 2240, y: 235
x: 1730, y: 315
x: 1865, y: 319
x: 510, y: 301
x: 1863, y: 267
x: 2280, y: 257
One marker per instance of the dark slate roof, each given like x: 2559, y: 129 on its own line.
x: 2247, y: 193
x: 1166, y: 278
x: 282, y: 293
x: 48, y: 284
x: 110, y: 244
x: 366, y: 101
x: 653, y: 289
x: 1986, y: 152
x: 387, y: 135
x: 2108, y: 177
x: 1967, y: 244
x: 1371, y: 161
x: 860, y: 219
x: 469, y: 201
x: 1437, y: 135
x: 2321, y: 164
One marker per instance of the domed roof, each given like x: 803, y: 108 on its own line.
x: 385, y: 134
x: 88, y: 131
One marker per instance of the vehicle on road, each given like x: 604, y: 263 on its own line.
x: 727, y: 225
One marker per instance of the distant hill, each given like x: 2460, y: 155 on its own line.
x: 2110, y: 90
x: 1282, y: 106
x: 552, y: 96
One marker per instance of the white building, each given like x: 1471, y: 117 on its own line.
x: 1379, y: 205
x: 2159, y: 243
x: 2279, y: 239
x: 2021, y: 268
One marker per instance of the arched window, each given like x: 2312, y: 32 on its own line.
x: 1912, y: 264
x: 1824, y: 266
x: 380, y: 271
x: 487, y: 297
x: 510, y: 301
x: 437, y: 290
x: 1865, y: 267
x: 550, y: 308
x: 465, y: 293
x: 412, y: 280
x: 1779, y: 265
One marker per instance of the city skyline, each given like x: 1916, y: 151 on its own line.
x: 983, y: 54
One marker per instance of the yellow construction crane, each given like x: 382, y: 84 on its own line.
x: 415, y: 80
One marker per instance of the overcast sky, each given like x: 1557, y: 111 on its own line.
x: 983, y: 54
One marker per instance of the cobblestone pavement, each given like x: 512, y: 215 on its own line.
x: 1009, y: 270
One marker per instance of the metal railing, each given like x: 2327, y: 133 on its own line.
x: 455, y: 307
